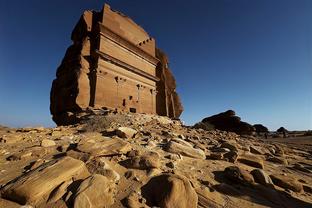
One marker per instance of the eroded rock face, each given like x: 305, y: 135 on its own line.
x: 97, y: 72
x: 38, y: 184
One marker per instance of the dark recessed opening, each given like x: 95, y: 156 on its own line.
x: 132, y: 110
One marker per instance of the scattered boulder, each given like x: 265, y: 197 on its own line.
x: 287, y: 182
x: 228, y: 121
x: 230, y: 156
x: 230, y: 146
x: 125, y: 132
x: 170, y: 190
x: 261, y: 177
x: 39, y: 183
x: 94, y: 192
x: 238, y: 175
x: 146, y: 161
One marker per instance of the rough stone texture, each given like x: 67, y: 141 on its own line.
x: 145, y: 161
x: 104, y: 147
x: 228, y: 121
x: 170, y: 190
x: 287, y: 182
x: 112, y: 63
x: 125, y: 132
x: 8, y: 204
x: 186, y: 150
x: 238, y: 175
x: 251, y: 161
x: 38, y: 184
x: 47, y: 143
x: 94, y: 192
x: 261, y: 177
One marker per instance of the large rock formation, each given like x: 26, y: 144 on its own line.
x: 228, y: 121
x: 113, y: 63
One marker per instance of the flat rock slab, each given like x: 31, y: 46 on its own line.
x: 104, y: 147
x: 36, y: 185
x: 287, y: 182
x: 125, y: 132
x: 184, y: 150
x: 251, y: 160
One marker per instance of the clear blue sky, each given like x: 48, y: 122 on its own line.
x: 252, y: 56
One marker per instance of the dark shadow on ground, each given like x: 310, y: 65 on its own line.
x: 257, y: 193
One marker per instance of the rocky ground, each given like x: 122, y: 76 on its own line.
x: 133, y: 160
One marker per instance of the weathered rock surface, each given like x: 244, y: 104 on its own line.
x: 146, y: 161
x: 29, y: 173
x: 184, y: 149
x: 47, y: 143
x: 38, y: 184
x: 170, y: 190
x: 125, y: 132
x: 94, y: 192
x: 287, y: 182
x: 8, y: 204
x: 104, y: 147
x: 238, y: 175
x: 251, y: 161
x: 261, y: 177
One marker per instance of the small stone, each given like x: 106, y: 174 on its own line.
x: 216, y: 156
x: 230, y: 156
x: 111, y: 174
x: 146, y: 161
x: 125, y: 132
x: 170, y: 165
x: 238, y: 175
x: 262, y: 177
x: 47, y: 143
x: 256, y: 150
x: 230, y: 146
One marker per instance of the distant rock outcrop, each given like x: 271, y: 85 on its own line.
x: 228, y: 121
x: 282, y: 130
x: 260, y: 128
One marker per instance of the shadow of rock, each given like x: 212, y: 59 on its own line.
x: 257, y: 193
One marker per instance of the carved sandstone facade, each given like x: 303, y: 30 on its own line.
x: 112, y: 63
